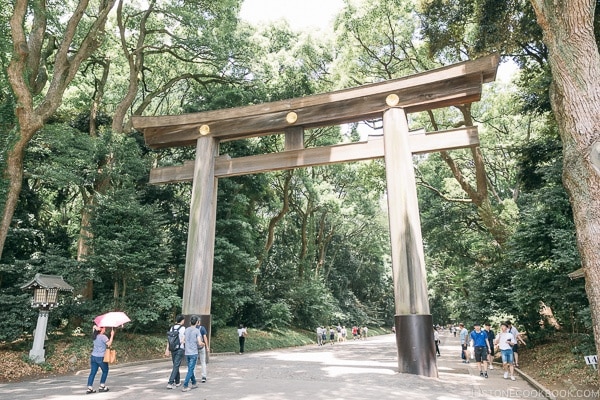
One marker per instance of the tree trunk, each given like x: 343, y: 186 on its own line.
x: 27, y: 58
x: 273, y: 223
x: 135, y: 60
x: 575, y: 95
x: 13, y: 173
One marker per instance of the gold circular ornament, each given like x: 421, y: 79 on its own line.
x: 392, y: 100
x: 291, y: 117
x: 204, y: 130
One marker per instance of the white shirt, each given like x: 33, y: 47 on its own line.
x: 504, y: 339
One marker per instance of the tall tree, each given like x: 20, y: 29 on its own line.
x: 565, y: 39
x: 44, y: 50
x: 568, y: 32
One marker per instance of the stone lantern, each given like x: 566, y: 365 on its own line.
x: 45, y: 297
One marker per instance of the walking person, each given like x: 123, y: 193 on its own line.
x: 491, y: 336
x: 177, y: 354
x: 331, y: 335
x: 242, y: 335
x: 513, y: 330
x: 436, y: 338
x: 192, y: 342
x: 481, y: 347
x: 505, y: 341
x: 101, y: 343
x: 202, y: 352
x: 463, y: 343
x: 319, y: 336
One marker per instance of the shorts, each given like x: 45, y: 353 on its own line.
x: 507, y: 356
x: 480, y: 353
x: 515, y: 348
x: 463, y: 346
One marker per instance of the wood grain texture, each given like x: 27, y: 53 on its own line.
x: 443, y: 87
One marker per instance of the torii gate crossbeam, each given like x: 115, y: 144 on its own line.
x: 391, y: 100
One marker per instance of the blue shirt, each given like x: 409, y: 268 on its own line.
x: 463, y: 335
x: 100, y: 345
x: 191, y: 340
x: 479, y: 339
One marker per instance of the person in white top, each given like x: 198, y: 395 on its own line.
x: 242, y: 334
x: 505, y: 341
x: 512, y: 329
x: 436, y: 338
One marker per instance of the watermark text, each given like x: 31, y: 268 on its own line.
x: 541, y: 394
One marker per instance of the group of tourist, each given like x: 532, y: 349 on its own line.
x: 339, y: 334
x: 484, y: 343
x: 192, y: 343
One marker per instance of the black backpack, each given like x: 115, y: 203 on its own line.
x: 173, y: 338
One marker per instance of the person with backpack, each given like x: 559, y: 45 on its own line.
x: 175, y: 347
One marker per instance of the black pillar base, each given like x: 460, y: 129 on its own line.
x: 416, y: 347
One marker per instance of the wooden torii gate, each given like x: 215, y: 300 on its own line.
x: 391, y: 100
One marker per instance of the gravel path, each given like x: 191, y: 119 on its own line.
x: 364, y: 369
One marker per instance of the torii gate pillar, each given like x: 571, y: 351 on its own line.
x: 414, y: 324
x: 197, y: 284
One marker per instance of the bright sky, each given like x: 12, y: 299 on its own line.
x: 300, y: 14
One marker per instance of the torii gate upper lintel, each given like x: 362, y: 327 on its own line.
x: 391, y: 100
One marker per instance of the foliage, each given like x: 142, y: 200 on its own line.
x: 129, y: 255
x: 544, y: 250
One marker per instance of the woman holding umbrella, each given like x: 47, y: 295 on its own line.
x: 101, y: 343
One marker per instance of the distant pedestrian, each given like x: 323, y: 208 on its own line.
x: 176, y: 355
x: 242, y: 335
x: 491, y: 336
x: 331, y: 335
x: 364, y: 333
x: 464, y: 345
x: 505, y: 341
x: 319, y: 336
x: 481, y: 349
x: 436, y: 339
x: 192, y: 342
x: 101, y: 343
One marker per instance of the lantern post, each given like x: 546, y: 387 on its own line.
x: 45, y: 297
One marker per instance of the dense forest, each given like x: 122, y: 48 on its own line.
x: 297, y: 248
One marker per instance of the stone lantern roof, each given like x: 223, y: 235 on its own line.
x: 47, y: 282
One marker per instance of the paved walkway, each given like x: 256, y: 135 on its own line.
x: 354, y: 369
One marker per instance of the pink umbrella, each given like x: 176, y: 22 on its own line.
x: 111, y: 319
